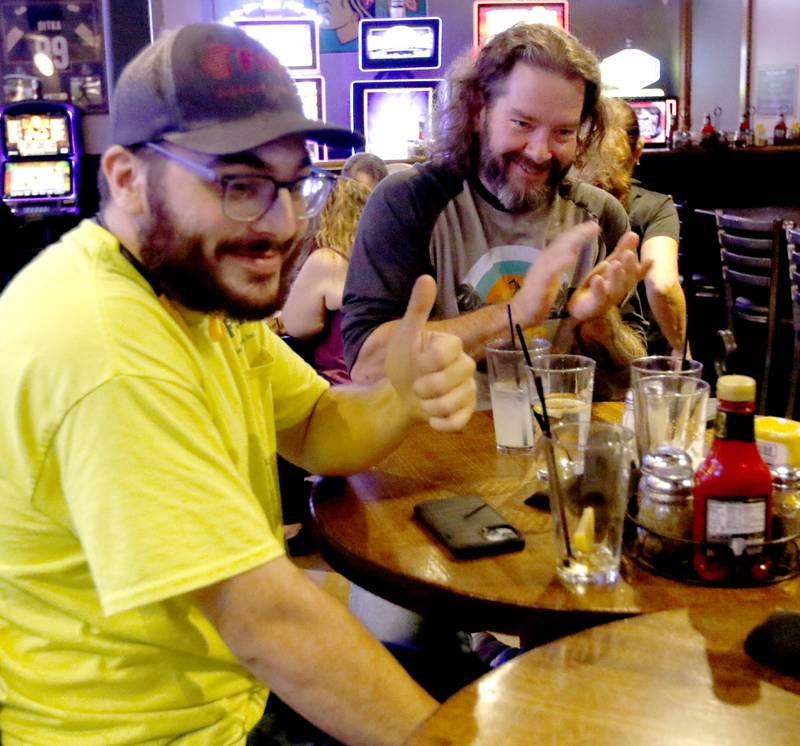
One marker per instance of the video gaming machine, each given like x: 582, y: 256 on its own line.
x: 40, y: 157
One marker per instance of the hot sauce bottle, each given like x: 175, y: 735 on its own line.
x: 708, y: 133
x: 779, y: 131
x: 733, y: 490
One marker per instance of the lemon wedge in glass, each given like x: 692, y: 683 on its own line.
x: 583, y: 537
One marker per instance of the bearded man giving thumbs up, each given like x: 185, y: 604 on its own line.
x: 145, y: 594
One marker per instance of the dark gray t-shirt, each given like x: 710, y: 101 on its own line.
x: 428, y: 220
x: 653, y: 214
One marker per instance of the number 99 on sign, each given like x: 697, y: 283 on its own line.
x: 54, y: 48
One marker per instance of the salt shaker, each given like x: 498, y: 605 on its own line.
x: 786, y: 500
x: 665, y: 495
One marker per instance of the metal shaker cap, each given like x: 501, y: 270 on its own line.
x: 667, y: 475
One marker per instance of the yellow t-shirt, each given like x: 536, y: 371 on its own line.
x: 138, y: 463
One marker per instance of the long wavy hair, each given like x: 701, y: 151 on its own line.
x: 339, y: 218
x: 609, y: 162
x: 473, y: 83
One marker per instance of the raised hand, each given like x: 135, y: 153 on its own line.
x: 532, y: 302
x: 609, y: 283
x: 430, y: 370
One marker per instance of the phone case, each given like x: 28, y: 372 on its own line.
x: 468, y: 526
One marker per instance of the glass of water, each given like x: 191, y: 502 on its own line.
x: 510, y: 387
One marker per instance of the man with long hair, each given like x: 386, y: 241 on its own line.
x: 494, y: 205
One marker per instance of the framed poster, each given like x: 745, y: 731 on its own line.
x: 59, y: 42
x: 340, y: 18
x: 777, y: 91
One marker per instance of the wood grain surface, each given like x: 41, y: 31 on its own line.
x: 670, y: 678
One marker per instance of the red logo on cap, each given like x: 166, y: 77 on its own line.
x: 215, y: 61
x: 218, y: 60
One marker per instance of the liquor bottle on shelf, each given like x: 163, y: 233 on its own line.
x: 733, y: 491
x: 779, y: 131
x: 673, y: 127
x: 761, y: 135
x: 708, y: 134
x: 743, y: 134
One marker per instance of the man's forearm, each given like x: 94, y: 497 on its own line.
x: 474, y: 329
x: 351, y: 429
x: 318, y: 658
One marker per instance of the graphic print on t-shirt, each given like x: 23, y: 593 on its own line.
x: 498, y: 274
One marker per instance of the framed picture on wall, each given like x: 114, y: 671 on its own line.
x: 57, y: 47
x: 340, y: 19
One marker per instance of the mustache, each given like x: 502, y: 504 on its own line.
x: 530, y: 164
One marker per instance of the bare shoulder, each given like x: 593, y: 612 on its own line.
x: 331, y: 257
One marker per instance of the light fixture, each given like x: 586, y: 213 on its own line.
x: 629, y: 71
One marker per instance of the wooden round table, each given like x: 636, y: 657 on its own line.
x: 366, y: 531
x: 670, y: 678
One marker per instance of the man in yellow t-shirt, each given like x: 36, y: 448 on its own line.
x: 145, y: 597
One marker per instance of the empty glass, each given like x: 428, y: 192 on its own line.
x: 671, y: 410
x: 588, y: 500
x: 660, y: 365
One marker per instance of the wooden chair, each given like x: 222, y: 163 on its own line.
x: 793, y: 246
x: 752, y: 254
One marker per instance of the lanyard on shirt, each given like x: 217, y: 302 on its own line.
x: 154, y: 284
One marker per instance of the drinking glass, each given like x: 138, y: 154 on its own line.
x: 592, y: 462
x: 661, y: 365
x: 509, y: 388
x: 567, y: 384
x: 671, y: 410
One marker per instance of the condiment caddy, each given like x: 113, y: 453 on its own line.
x: 736, y: 521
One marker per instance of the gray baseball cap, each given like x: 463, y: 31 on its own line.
x: 213, y: 89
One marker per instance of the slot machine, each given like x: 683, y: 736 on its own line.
x: 394, y: 114
x: 40, y: 158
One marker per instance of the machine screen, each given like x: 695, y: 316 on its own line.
x: 392, y: 114
x: 36, y: 134
x: 295, y: 42
x: 655, y: 118
x: 494, y: 16
x: 399, y: 43
x: 37, y: 179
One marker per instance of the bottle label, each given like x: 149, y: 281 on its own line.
x: 774, y: 454
x: 739, y: 521
x: 735, y: 426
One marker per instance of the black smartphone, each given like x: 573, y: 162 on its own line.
x: 468, y: 526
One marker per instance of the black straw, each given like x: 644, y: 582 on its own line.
x: 543, y: 424
x: 523, y: 344
x: 685, y: 342
x: 537, y: 380
x: 549, y: 449
x: 511, y: 327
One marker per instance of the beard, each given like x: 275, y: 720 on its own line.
x: 494, y: 169
x: 178, y: 262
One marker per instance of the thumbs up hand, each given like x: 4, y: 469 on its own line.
x: 430, y: 370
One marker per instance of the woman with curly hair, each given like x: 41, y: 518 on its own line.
x: 312, y: 308
x: 609, y: 164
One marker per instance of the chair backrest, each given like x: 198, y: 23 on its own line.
x: 752, y: 254
x: 793, y: 265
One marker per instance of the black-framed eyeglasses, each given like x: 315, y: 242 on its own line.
x: 246, y: 197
